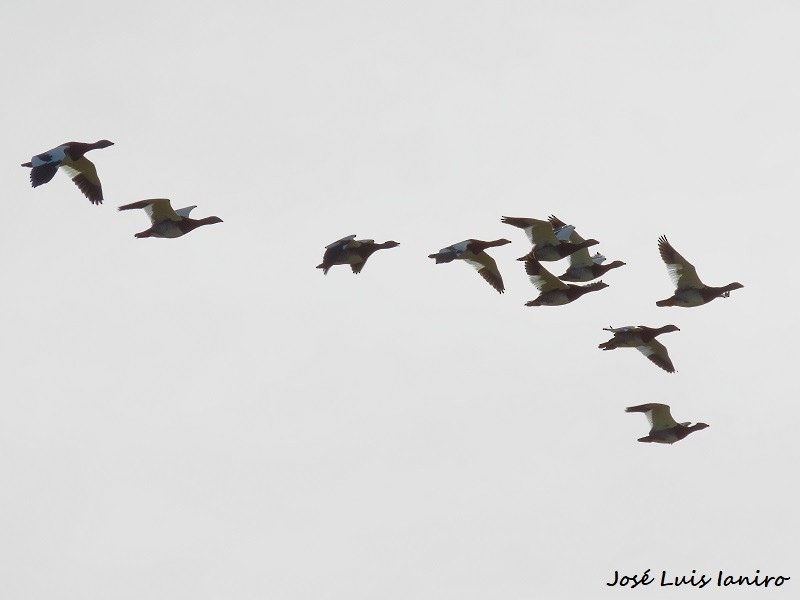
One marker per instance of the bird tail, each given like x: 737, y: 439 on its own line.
x: 667, y: 302
x: 27, y: 164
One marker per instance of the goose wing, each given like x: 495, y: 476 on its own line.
x: 567, y: 233
x: 43, y: 173
x: 487, y: 268
x: 681, y: 271
x: 658, y: 355
x: 543, y: 279
x: 619, y: 329
x: 184, y: 212
x: 158, y: 209
x: 563, y: 231
x: 342, y: 242
x: 658, y: 415
x: 84, y: 174
x: 450, y: 253
x: 539, y: 232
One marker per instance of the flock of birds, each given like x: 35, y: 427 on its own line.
x: 552, y: 240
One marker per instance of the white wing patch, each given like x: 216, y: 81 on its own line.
x: 674, y: 271
x: 56, y: 156
x: 539, y: 282
x: 646, y: 350
x: 458, y: 248
x: 184, y: 212
x: 149, y: 212
x: 563, y: 233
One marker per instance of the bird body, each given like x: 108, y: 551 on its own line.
x: 663, y: 428
x: 473, y: 252
x: 690, y: 291
x: 643, y: 339
x: 166, y: 222
x: 69, y: 157
x: 554, y: 292
x: 350, y: 251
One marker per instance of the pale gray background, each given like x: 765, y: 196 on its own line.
x: 210, y: 417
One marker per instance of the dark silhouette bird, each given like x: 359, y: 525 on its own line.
x: 70, y: 157
x: 690, y: 291
x: 168, y: 223
x: 642, y: 338
x: 474, y: 253
x: 554, y: 292
x: 350, y: 251
x: 548, y: 244
x: 663, y: 428
x: 582, y: 267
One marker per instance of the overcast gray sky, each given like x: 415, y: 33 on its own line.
x: 211, y: 417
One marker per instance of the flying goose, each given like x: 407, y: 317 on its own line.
x: 474, y: 253
x: 168, y: 223
x: 663, y: 428
x: 70, y: 157
x: 350, y: 251
x: 553, y: 291
x: 690, y: 291
x: 642, y: 338
x: 548, y: 244
x: 582, y: 267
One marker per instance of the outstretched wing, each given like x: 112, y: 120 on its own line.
x: 538, y: 231
x: 487, y: 268
x: 84, y: 174
x: 658, y: 355
x: 658, y: 415
x: 43, y: 173
x: 158, y: 209
x: 681, y: 271
x: 185, y: 212
x: 342, y: 241
x: 543, y: 279
x: 620, y: 329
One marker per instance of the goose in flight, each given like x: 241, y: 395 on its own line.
x: 548, y: 244
x: 689, y: 290
x: 474, y: 253
x: 642, y: 338
x: 663, y: 428
x: 168, y: 223
x: 70, y: 157
x: 554, y: 292
x: 582, y: 266
x: 350, y: 251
